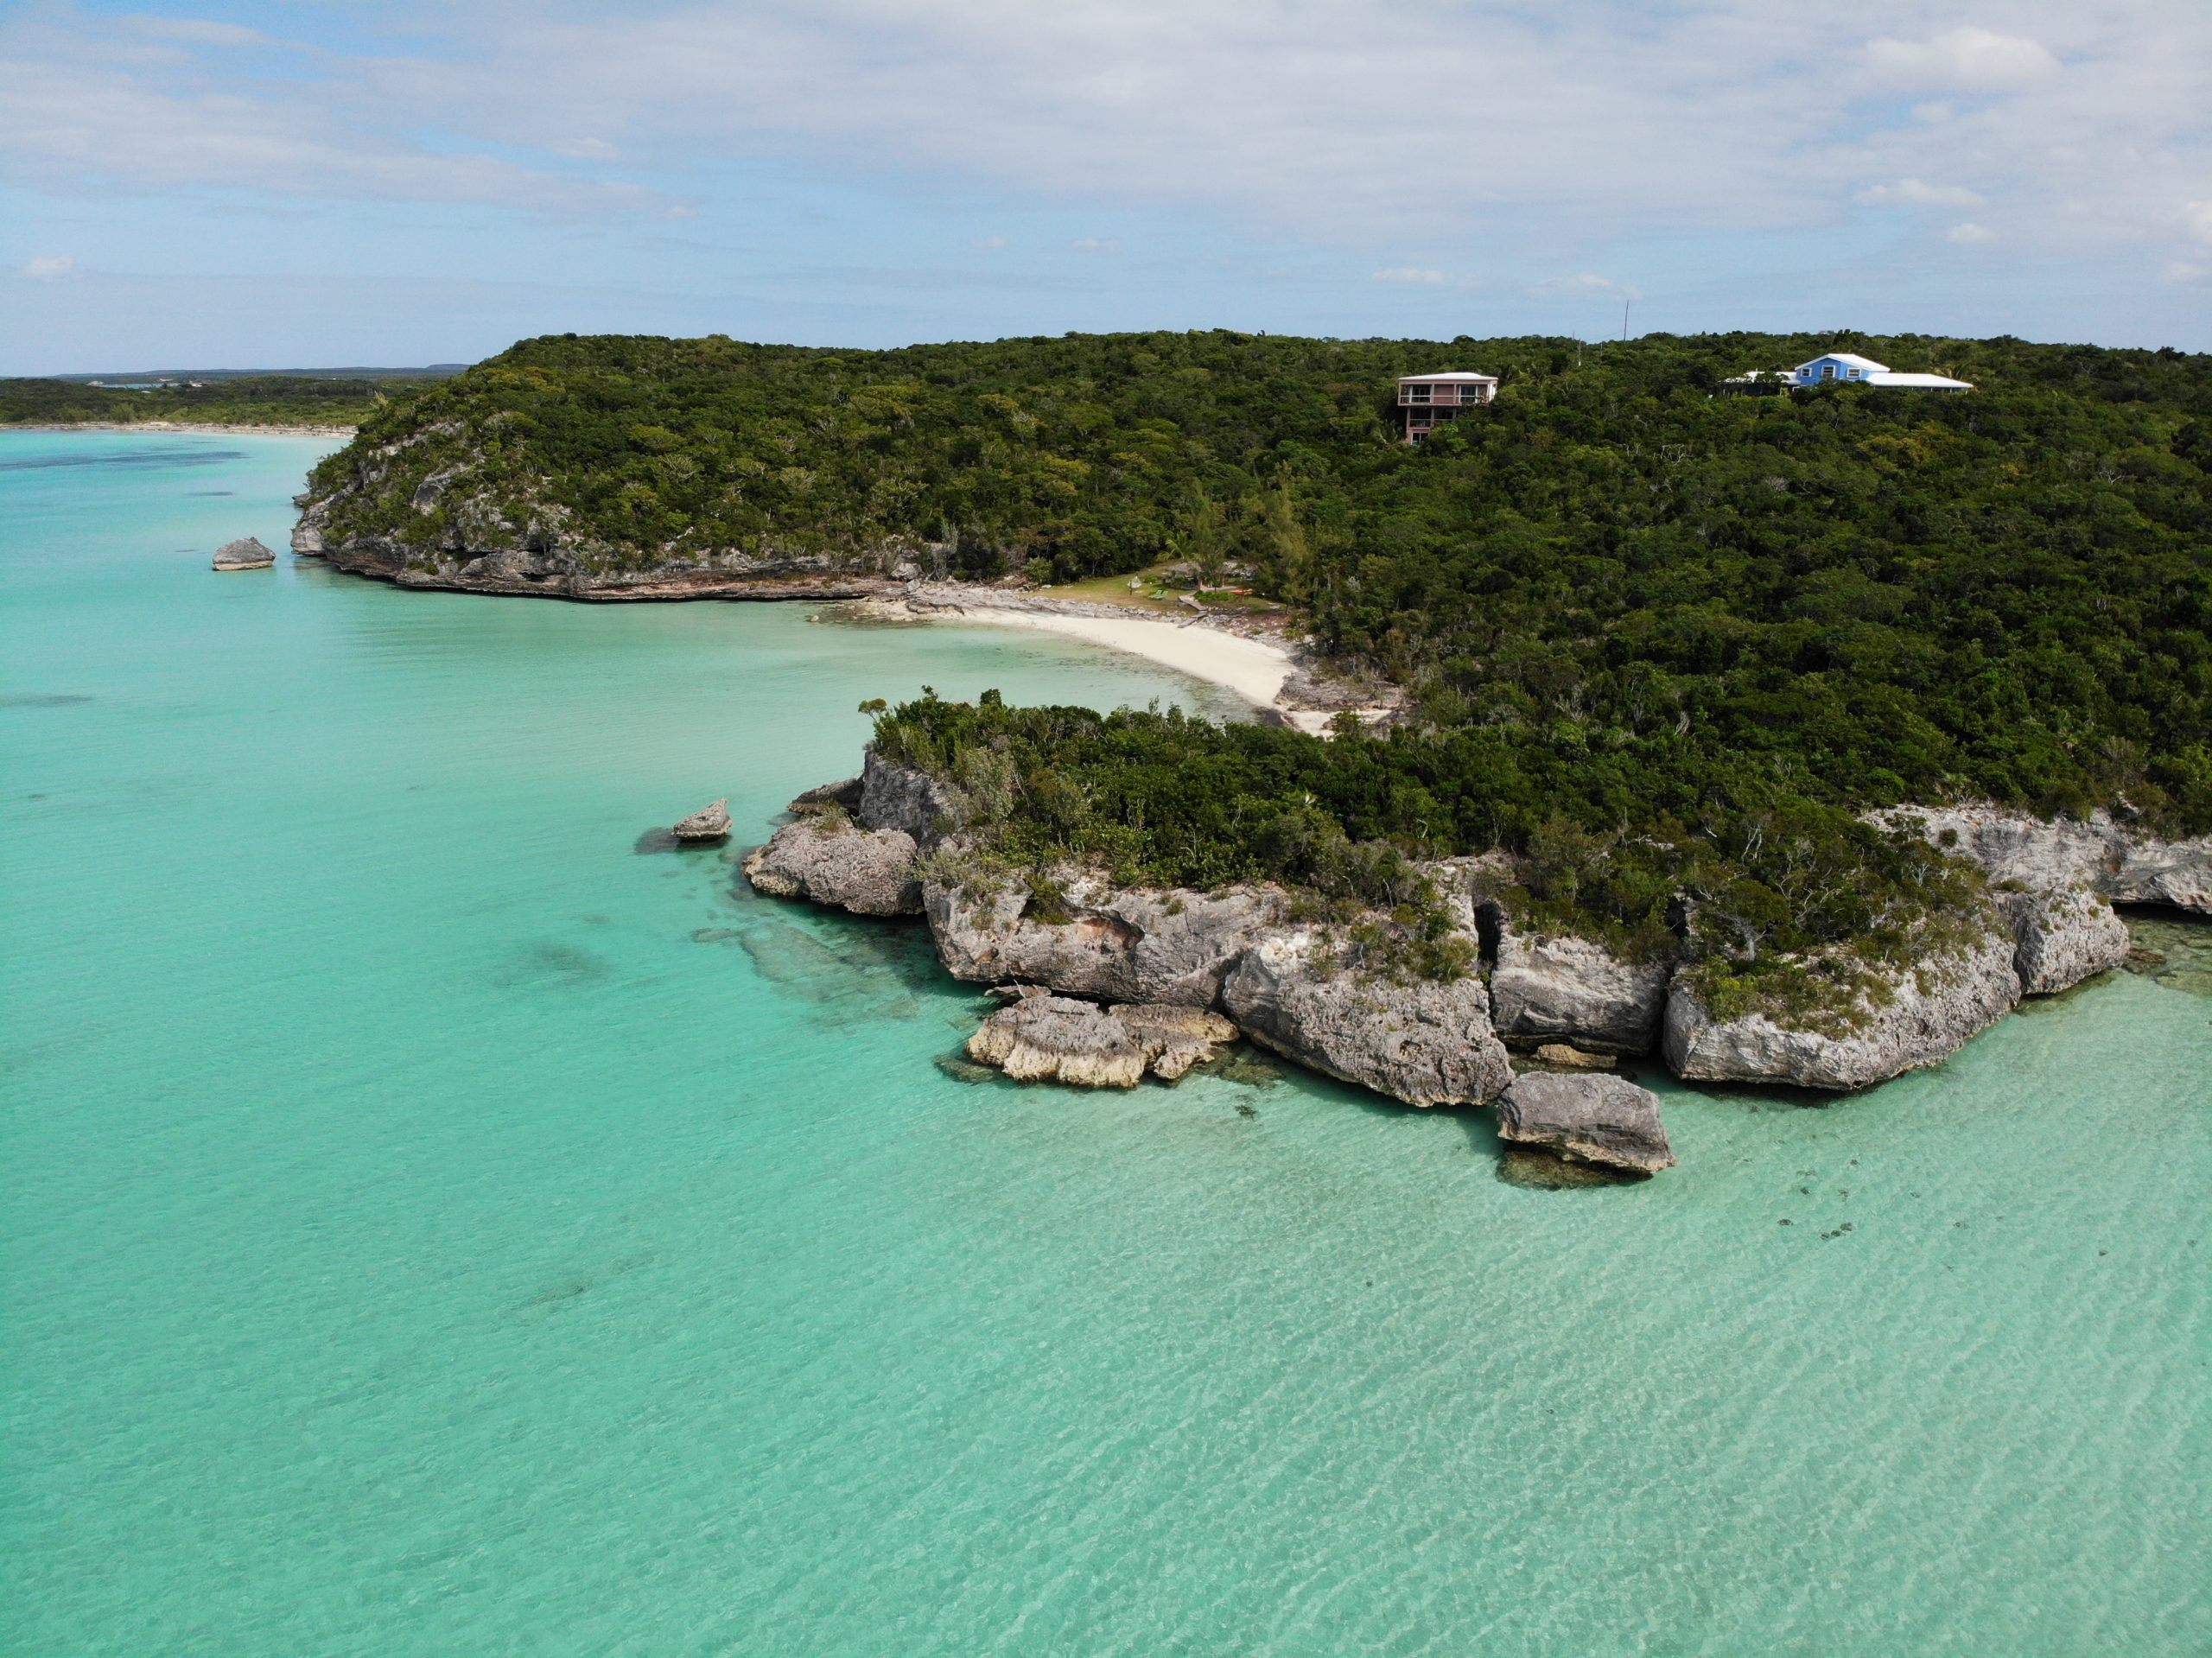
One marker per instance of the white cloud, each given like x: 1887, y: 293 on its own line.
x: 1413, y: 276
x: 1590, y: 286
x: 990, y: 243
x: 1969, y: 58
x: 1969, y: 233
x: 2197, y: 217
x: 2182, y: 272
x: 50, y: 267
x: 1094, y: 244
x: 1544, y: 132
x: 1916, y: 193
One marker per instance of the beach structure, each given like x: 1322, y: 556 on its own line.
x: 1428, y: 401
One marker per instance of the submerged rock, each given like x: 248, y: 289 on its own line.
x: 1117, y: 944
x: 1423, y: 1043
x: 246, y: 553
x: 2062, y: 938
x: 1057, y: 1038
x: 707, y: 823
x: 1931, y: 1011
x: 1563, y: 986
x: 1602, y: 1119
x: 825, y: 858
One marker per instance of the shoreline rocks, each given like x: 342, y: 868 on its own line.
x: 825, y: 858
x: 2062, y: 938
x: 1595, y: 1119
x: 246, y: 553
x: 1423, y: 1044
x: 1059, y: 1038
x: 1931, y: 1012
x: 2117, y: 864
x: 1121, y: 945
x: 1573, y: 989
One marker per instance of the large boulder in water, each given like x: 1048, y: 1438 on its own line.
x: 1425, y: 1043
x: 707, y: 823
x: 1918, y: 1016
x: 826, y: 858
x: 246, y: 553
x: 1603, y: 1120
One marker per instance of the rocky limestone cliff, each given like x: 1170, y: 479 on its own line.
x: 2120, y: 865
x: 1931, y: 1012
x: 478, y: 544
x: 1121, y: 944
x: 826, y: 858
x: 1542, y: 988
x: 1603, y: 1120
x: 2061, y: 938
x: 1423, y: 1043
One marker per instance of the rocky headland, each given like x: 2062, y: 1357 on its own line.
x: 1107, y: 983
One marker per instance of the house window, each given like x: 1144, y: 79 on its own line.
x: 1827, y: 370
x: 1418, y: 393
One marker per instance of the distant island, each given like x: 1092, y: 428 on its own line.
x: 334, y: 402
x: 1665, y: 662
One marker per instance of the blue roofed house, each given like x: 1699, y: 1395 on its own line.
x: 1848, y: 368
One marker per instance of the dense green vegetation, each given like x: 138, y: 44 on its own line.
x: 243, y: 400
x: 1665, y: 640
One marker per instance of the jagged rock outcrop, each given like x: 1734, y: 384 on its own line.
x: 826, y: 858
x: 1057, y: 1038
x: 1933, y: 1009
x: 896, y: 796
x: 1602, y: 1119
x: 246, y: 553
x: 1561, y: 985
x: 707, y: 823
x: 2041, y: 855
x: 844, y: 794
x: 1423, y: 1043
x: 1117, y: 944
x: 2061, y: 938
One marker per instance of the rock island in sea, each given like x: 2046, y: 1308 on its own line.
x: 1794, y: 739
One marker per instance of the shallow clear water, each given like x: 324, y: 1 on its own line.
x: 432, y: 1225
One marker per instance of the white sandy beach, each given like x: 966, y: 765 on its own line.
x: 1252, y: 668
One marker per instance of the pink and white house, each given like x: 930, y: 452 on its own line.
x: 1426, y: 401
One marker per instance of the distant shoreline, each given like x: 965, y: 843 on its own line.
x: 228, y: 428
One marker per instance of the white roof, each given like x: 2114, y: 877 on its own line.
x: 1925, y: 382
x: 1849, y: 358
x: 1450, y: 374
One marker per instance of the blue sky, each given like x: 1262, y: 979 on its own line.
x: 271, y: 183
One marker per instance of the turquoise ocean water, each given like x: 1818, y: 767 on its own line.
x: 431, y: 1224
